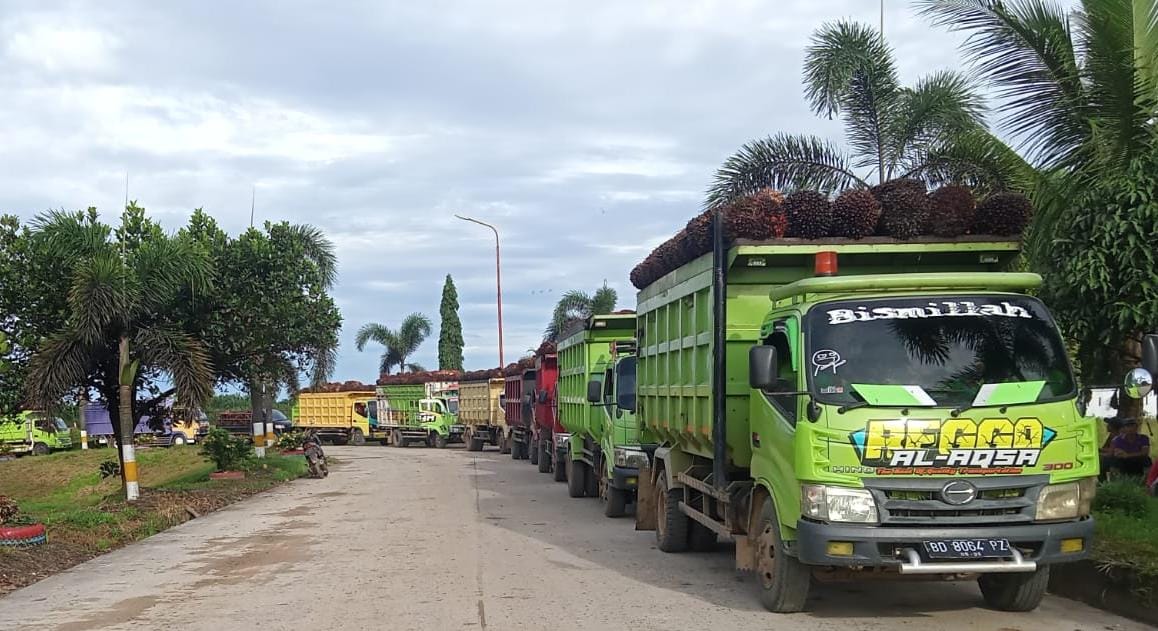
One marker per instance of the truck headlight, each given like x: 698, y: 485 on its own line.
x: 838, y: 504
x: 626, y: 457
x: 1065, y: 501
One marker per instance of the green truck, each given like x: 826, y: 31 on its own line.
x: 33, y: 433
x: 405, y: 414
x: 910, y: 413
x: 604, y: 453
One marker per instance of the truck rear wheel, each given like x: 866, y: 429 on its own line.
x: 671, y: 532
x: 591, y: 481
x: 1014, y: 592
x: 559, y: 470
x: 784, y: 580
x: 543, y: 457
x: 40, y: 449
x: 576, y: 474
x: 396, y: 438
x: 533, y: 451
x: 357, y: 438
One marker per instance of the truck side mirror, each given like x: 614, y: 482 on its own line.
x: 763, y: 367
x: 594, y: 392
x: 1140, y: 381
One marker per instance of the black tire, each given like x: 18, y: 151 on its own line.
x: 440, y: 441
x: 357, y: 438
x: 533, y: 451
x: 576, y: 483
x: 543, y: 457
x: 784, y: 580
x: 40, y: 449
x: 591, y: 481
x: 1014, y: 592
x: 504, y: 443
x: 616, y: 505
x: 671, y: 531
x: 475, y: 443
x: 558, y: 467
x: 701, y: 538
x: 177, y: 440
x: 341, y: 441
x: 515, y: 448
x: 396, y: 438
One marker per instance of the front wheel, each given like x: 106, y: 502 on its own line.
x: 784, y: 580
x: 542, y: 456
x: 616, y: 499
x: 576, y: 478
x: 534, y: 452
x: 40, y: 449
x: 560, y: 471
x: 396, y: 438
x: 440, y: 441
x: 357, y: 438
x: 474, y: 443
x: 178, y: 440
x: 1014, y: 592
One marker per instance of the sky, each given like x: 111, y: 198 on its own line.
x: 587, y: 132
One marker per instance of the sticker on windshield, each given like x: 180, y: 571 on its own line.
x: 823, y: 360
x: 952, y: 309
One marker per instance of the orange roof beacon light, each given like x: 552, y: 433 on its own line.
x: 826, y: 264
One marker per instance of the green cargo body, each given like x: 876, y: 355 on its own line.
x: 405, y: 414
x: 675, y: 322
x: 584, y: 356
x: 402, y: 403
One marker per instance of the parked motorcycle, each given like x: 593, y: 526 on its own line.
x: 315, y: 457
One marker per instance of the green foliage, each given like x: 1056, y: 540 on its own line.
x: 450, y: 340
x: 932, y: 130
x: 227, y: 452
x: 1124, y: 496
x: 576, y: 305
x: 399, y: 344
x: 109, y: 468
x: 291, y: 441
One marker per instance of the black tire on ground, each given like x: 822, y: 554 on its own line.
x: 357, y: 438
x: 1014, y: 592
x: 616, y: 505
x: 784, y: 580
x: 591, y: 481
x: 515, y: 448
x: 440, y: 441
x: 40, y: 449
x: 576, y: 478
x: 396, y: 438
x: 341, y: 441
x: 671, y: 531
x: 504, y: 443
x: 701, y: 538
x: 533, y: 451
x: 543, y: 457
x: 177, y: 440
x: 475, y: 443
x: 559, y: 467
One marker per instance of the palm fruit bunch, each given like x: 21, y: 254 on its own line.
x: 904, y: 208
x: 1003, y: 214
x: 698, y: 234
x: 809, y: 215
x: 855, y: 214
x: 953, y: 209
x: 767, y: 204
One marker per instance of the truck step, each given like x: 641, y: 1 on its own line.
x: 708, y: 522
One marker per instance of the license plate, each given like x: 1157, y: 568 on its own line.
x: 968, y: 549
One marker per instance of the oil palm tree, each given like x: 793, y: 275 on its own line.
x: 399, y: 344
x: 118, y: 334
x: 577, y: 305
x: 933, y: 130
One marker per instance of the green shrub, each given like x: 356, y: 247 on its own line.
x: 1125, y: 496
x: 227, y: 452
x: 109, y: 468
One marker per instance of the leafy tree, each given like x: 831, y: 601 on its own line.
x: 1081, y: 98
x: 576, y: 305
x: 118, y: 336
x: 399, y: 344
x: 450, y: 330
x: 932, y: 130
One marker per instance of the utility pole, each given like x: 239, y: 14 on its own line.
x: 498, y: 281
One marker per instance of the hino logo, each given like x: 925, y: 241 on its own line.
x: 958, y: 492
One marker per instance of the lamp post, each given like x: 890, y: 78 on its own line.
x: 498, y: 280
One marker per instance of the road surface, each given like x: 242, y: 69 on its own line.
x: 431, y: 540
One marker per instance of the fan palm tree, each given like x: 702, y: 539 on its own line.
x: 117, y: 335
x: 933, y: 130
x: 577, y: 305
x: 399, y: 344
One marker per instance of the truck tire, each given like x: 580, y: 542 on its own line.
x: 576, y: 483
x: 558, y: 468
x: 504, y: 443
x: 440, y: 441
x: 516, y: 447
x: 40, y: 449
x: 396, y: 438
x: 616, y: 505
x: 590, y: 481
x: 177, y: 440
x: 357, y: 438
x: 543, y: 459
x: 671, y: 531
x: 533, y: 451
x: 784, y: 580
x: 474, y: 443
x: 1014, y: 592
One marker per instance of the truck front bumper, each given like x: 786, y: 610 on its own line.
x: 625, y: 478
x: 876, y: 546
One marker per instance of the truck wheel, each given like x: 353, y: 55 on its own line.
x: 475, y: 444
x: 576, y: 483
x: 784, y: 580
x: 590, y: 481
x: 440, y: 441
x: 504, y: 444
x: 515, y: 448
x: 671, y: 531
x: 396, y: 438
x: 701, y: 538
x: 533, y: 451
x: 558, y: 468
x: 178, y: 440
x: 357, y: 438
x: 542, y: 457
x: 40, y: 449
x: 616, y: 499
x: 1014, y: 592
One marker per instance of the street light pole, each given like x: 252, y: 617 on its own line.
x: 498, y: 280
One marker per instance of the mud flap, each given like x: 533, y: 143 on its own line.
x: 645, y: 501
x: 745, y: 554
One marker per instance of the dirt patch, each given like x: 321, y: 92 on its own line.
x: 123, y: 612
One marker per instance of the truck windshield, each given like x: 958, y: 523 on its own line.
x: 453, y: 405
x: 60, y: 424
x: 944, y: 351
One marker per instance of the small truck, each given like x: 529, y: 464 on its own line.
x: 180, y: 426
x: 340, y: 417
x: 34, y: 433
x: 405, y: 415
x: 482, y: 413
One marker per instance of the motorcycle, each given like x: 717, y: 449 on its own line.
x: 315, y: 458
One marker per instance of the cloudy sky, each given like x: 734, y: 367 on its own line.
x: 586, y: 131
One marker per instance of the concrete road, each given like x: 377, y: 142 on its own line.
x: 446, y: 540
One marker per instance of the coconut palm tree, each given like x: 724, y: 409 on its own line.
x: 933, y: 130
x: 399, y: 344
x: 577, y: 305
x: 120, y: 333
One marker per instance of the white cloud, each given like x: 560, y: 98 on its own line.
x: 47, y: 42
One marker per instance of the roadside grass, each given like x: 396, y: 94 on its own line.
x: 1126, y: 519
x: 86, y: 515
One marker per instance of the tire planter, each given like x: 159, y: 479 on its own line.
x: 18, y: 536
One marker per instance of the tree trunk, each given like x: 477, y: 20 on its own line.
x: 257, y: 416
x: 125, y: 423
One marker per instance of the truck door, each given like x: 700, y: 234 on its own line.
x: 775, y: 413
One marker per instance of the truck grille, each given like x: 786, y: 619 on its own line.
x: 1004, y: 500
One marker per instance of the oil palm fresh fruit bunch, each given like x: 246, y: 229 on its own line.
x: 1003, y: 214
x: 904, y: 208
x: 809, y: 215
x: 855, y: 214
x: 953, y: 210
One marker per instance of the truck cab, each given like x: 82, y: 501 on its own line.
x: 622, y: 439
x: 35, y: 433
x: 440, y: 415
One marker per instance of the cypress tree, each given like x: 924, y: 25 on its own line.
x: 450, y: 329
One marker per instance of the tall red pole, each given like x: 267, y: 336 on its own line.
x: 498, y: 280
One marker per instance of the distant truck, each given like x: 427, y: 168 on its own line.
x: 240, y: 422
x: 550, y: 438
x: 179, y: 427
x: 517, y: 408
x: 481, y: 411
x: 34, y: 433
x: 406, y: 414
x: 340, y: 417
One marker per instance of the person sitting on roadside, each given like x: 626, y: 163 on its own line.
x: 1131, y: 449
